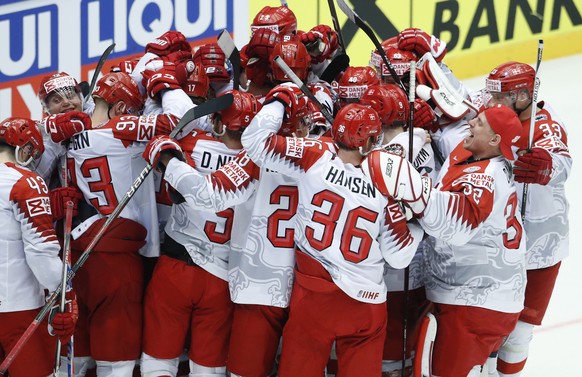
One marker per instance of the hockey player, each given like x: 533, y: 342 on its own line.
x: 105, y: 161
x: 190, y: 283
x: 545, y: 169
x: 262, y: 256
x: 391, y: 104
x: 475, y: 262
x: 343, y: 235
x: 30, y: 253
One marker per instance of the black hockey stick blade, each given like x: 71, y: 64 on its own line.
x: 336, y: 24
x: 98, y: 68
x: 227, y: 46
x: 338, y: 64
x: 297, y: 81
x: 206, y: 108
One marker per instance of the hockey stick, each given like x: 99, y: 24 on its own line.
x: 423, y: 355
x: 532, y: 122
x: 102, y: 60
x: 217, y: 104
x: 232, y: 53
x: 336, y: 24
x: 412, y: 85
x: 338, y: 64
x: 297, y: 81
x: 370, y: 33
x: 66, y: 268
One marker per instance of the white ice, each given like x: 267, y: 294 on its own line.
x: 555, y: 349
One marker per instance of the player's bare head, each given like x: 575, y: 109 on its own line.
x: 510, y: 84
x: 59, y: 93
x: 120, y: 93
x: 280, y: 19
x: 24, y: 137
x: 390, y: 102
x: 357, y: 127
x: 235, y: 118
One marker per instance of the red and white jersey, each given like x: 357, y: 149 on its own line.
x: 424, y: 162
x: 206, y: 235
x: 105, y: 161
x: 29, y: 249
x: 546, y: 212
x: 342, y: 220
x: 476, y: 252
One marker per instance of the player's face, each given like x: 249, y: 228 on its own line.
x: 501, y: 98
x: 64, y: 100
x: 480, y: 137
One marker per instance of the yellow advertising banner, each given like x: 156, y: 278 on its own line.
x: 480, y: 34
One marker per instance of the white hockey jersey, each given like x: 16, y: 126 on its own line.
x: 105, y: 161
x: 342, y: 220
x: 476, y: 252
x: 29, y: 249
x: 205, y: 235
x: 546, y: 213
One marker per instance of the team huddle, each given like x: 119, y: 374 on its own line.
x: 292, y: 226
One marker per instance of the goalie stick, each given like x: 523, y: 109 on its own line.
x: 232, y: 53
x: 297, y: 81
x: 98, y: 68
x: 423, y: 355
x: 532, y: 122
x: 370, y: 33
x: 215, y: 105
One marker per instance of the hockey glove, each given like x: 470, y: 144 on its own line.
x: 59, y: 198
x: 294, y: 100
x: 418, y: 41
x: 159, y: 75
x: 262, y: 43
x: 317, y: 45
x: 170, y: 41
x: 63, y: 126
x: 424, y: 116
x: 162, y: 144
x: 213, y: 60
x: 63, y: 324
x: 534, y: 167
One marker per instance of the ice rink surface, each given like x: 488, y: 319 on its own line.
x: 555, y: 349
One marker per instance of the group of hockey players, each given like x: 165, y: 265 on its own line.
x: 271, y: 239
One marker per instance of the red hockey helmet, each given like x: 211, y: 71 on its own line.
x: 400, y: 59
x: 280, y: 19
x: 295, y: 54
x: 197, y: 83
x: 355, y: 81
x: 57, y: 83
x: 22, y: 134
x: 239, y: 115
x: 119, y: 86
x: 354, y: 125
x: 389, y: 101
x: 511, y: 76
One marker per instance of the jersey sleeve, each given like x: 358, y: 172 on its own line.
x: 231, y: 185
x: 399, y: 239
x: 130, y: 128
x: 287, y: 155
x: 454, y: 215
x: 31, y: 207
x: 551, y: 136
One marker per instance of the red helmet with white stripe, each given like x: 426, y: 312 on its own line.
x: 400, y: 60
x: 354, y: 83
x: 295, y: 54
x: 280, y: 19
x: 243, y: 109
x: 511, y: 76
x: 197, y: 83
